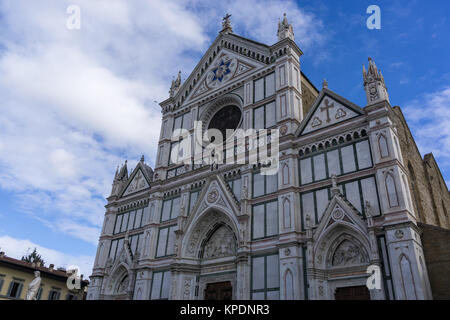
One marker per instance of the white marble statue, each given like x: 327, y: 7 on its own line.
x: 33, y: 287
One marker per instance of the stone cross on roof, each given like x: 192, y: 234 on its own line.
x: 226, y: 24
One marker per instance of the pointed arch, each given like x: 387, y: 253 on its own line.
x: 347, y: 250
x: 286, y: 176
x: 219, y: 242
x: 120, y: 271
x: 333, y: 237
x: 408, y: 197
x: 286, y: 213
x: 408, y: 284
x: 391, y: 190
x: 415, y: 192
x: 122, y: 285
x: 139, y: 294
x: 151, y: 212
x: 383, y: 146
x: 288, y: 285
x: 203, y: 226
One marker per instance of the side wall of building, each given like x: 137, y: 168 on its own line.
x: 429, y: 191
x: 436, y: 244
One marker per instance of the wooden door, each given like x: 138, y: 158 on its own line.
x: 352, y: 293
x: 219, y: 291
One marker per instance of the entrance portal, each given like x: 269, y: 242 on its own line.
x: 219, y: 291
x: 352, y: 293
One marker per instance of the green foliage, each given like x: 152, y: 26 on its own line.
x: 33, y: 257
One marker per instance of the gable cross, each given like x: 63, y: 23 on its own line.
x: 327, y: 108
x: 226, y: 24
x: 227, y: 17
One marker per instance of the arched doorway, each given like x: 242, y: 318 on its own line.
x: 119, y: 284
x: 341, y: 259
x: 212, y: 241
x: 218, y: 253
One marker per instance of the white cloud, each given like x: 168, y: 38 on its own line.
x: 16, y: 248
x: 429, y: 120
x: 259, y: 20
x: 75, y: 103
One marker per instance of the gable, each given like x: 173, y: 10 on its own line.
x: 223, y: 69
x: 339, y: 211
x: 328, y: 110
x: 215, y: 194
x: 138, y: 183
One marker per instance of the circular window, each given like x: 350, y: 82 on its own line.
x: 228, y: 117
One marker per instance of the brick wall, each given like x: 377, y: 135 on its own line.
x: 429, y: 192
x: 436, y: 244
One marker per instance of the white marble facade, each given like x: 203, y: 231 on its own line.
x: 338, y: 204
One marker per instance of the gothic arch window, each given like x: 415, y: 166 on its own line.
x: 139, y: 294
x: 288, y: 285
x: 408, y: 284
x: 383, y: 146
x: 415, y: 191
x: 100, y: 253
x: 152, y: 212
x: 391, y: 190
x: 405, y: 184
x: 286, y: 174
x: 397, y: 145
x: 286, y: 213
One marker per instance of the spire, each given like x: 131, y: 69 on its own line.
x: 117, y: 173
x: 374, y: 84
x: 226, y: 24
x: 285, y: 29
x: 176, y: 84
x: 123, y: 174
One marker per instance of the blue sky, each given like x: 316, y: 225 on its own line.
x: 77, y: 103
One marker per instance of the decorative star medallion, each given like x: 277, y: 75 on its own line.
x: 221, y: 71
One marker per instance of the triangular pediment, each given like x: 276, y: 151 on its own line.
x: 339, y: 211
x: 138, y: 182
x: 247, y: 55
x: 216, y: 195
x: 124, y: 258
x: 328, y: 110
x: 226, y: 67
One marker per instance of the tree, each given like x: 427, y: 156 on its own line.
x: 33, y: 257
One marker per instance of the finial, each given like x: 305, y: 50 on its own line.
x: 142, y: 159
x: 325, y: 83
x: 176, y: 84
x: 374, y: 84
x: 285, y: 30
x: 226, y: 24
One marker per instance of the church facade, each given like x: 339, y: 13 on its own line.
x: 344, y: 204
